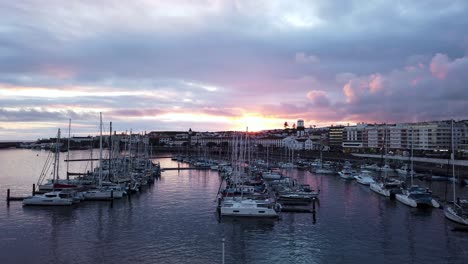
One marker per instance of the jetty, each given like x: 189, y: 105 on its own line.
x: 185, y: 168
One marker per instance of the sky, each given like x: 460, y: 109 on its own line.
x: 226, y: 65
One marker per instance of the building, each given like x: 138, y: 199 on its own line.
x: 335, y: 138
x: 434, y: 136
x: 300, y: 129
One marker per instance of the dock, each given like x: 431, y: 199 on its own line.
x: 185, y: 168
x: 14, y: 198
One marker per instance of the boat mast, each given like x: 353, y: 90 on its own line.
x: 110, y: 151
x: 385, y: 150
x: 411, y: 159
x: 68, y: 148
x: 100, y: 149
x: 453, y: 165
x: 57, y: 158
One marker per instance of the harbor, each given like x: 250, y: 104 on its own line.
x: 175, y: 219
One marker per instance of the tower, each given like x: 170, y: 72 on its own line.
x: 300, y: 128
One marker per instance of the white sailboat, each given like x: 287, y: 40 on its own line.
x: 53, y: 197
x: 50, y: 198
x: 239, y: 205
x: 386, y: 186
x: 458, y: 211
x: 416, y: 196
x: 321, y: 169
x: 347, y: 172
x: 102, y: 192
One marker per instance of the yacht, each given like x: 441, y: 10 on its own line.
x: 364, y: 178
x: 386, y: 168
x: 346, y: 173
x: 385, y: 188
x: 370, y: 167
x: 271, y: 175
x: 249, y: 207
x: 102, y: 193
x: 416, y: 196
x: 50, y: 198
x: 405, y: 170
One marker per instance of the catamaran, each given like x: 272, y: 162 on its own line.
x: 53, y: 197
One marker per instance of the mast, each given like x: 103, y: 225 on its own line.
x: 411, y: 159
x: 57, y: 158
x: 110, y: 151
x: 68, y: 148
x: 453, y: 165
x: 385, y: 150
x: 100, y: 149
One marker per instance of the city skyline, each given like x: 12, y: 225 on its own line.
x: 228, y: 65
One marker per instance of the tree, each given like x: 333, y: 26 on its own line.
x: 294, y: 126
x: 286, y: 125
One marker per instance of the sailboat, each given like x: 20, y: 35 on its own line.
x: 53, y: 197
x: 321, y: 169
x: 102, y: 192
x: 458, y: 211
x: 347, y: 172
x: 416, y: 196
x: 387, y: 186
x: 239, y: 205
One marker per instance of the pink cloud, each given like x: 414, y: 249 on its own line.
x: 349, y: 93
x: 440, y: 66
x: 318, y: 97
x: 416, y: 80
x: 376, y: 83
x: 409, y: 93
x: 360, y: 86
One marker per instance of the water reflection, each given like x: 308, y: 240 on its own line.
x: 174, y: 221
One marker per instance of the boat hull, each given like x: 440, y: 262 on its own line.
x: 450, y: 213
x: 379, y: 189
x: 47, y: 202
x: 248, y: 212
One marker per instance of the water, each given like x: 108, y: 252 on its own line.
x: 174, y: 221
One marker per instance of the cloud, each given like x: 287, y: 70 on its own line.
x: 225, y: 59
x: 439, y: 66
x: 40, y: 114
x: 411, y: 93
x: 318, y: 98
x: 301, y: 57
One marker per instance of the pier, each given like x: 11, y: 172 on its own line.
x: 185, y: 168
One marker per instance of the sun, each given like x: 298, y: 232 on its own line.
x: 255, y: 122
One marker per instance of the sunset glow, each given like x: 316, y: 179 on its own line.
x: 222, y: 65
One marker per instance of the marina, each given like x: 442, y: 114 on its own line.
x: 175, y: 219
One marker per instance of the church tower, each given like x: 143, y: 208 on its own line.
x: 300, y: 128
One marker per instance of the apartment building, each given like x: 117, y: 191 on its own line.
x: 435, y: 136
